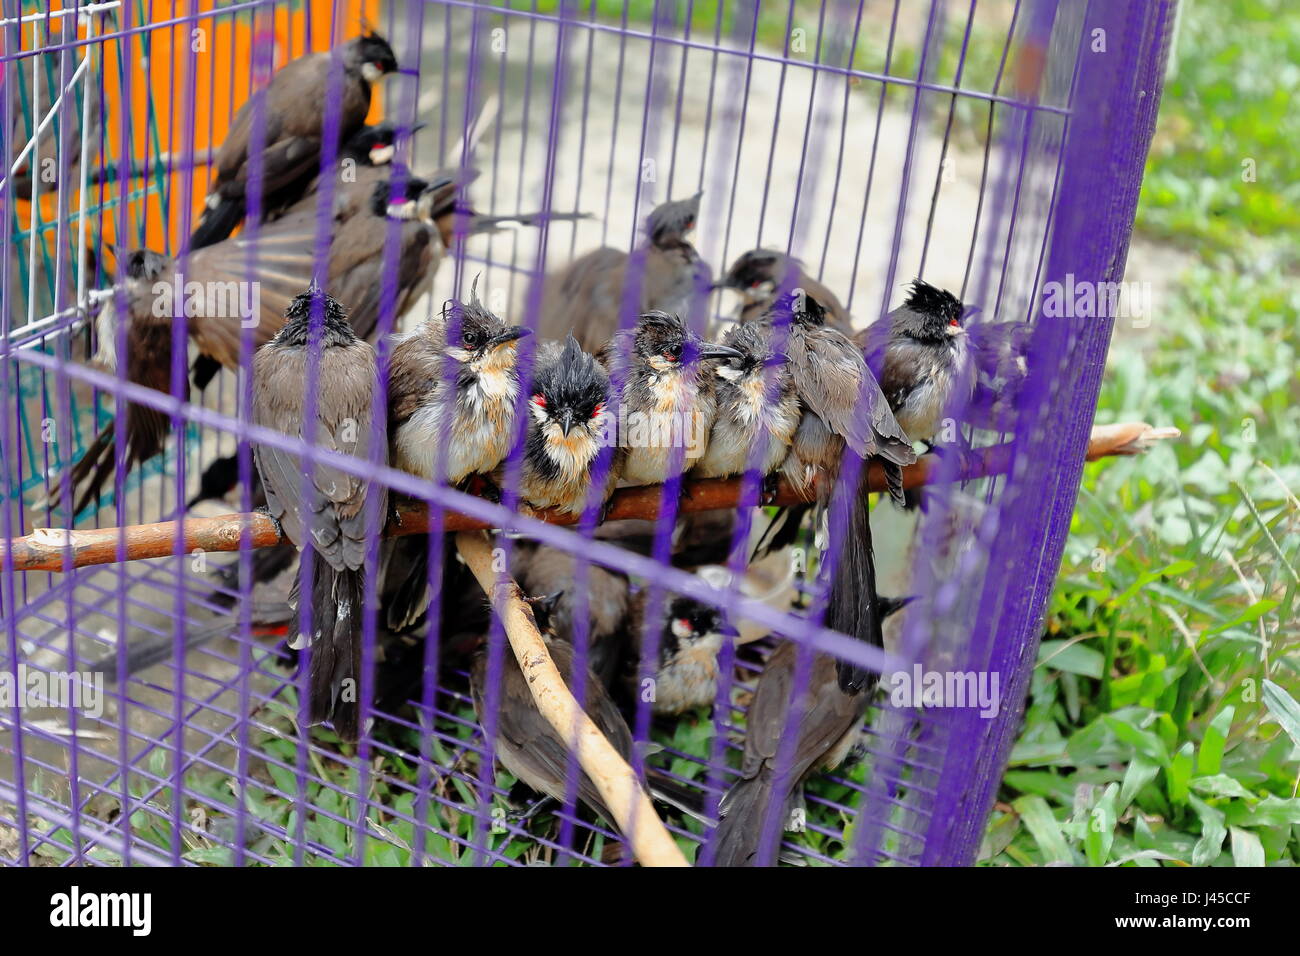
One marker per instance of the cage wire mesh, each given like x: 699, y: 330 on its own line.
x: 990, y: 148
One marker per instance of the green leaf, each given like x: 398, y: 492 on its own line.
x: 1137, y: 775
x: 1269, y: 812
x: 1221, y: 785
x: 1252, y: 613
x: 1247, y: 850
x: 1210, y: 757
x: 1213, y: 832
x: 1180, y: 773
x: 1072, y: 658
x: 1284, y: 709
x: 1169, y: 570
x: 1101, y: 828
x: 1144, y: 742
x: 1044, y: 828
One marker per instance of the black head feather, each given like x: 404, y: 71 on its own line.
x: 694, y: 619
x: 373, y: 49
x: 382, y: 197
x: 574, y: 382
x: 756, y: 267
x: 336, y: 328
x: 928, y: 311
x: 798, y: 306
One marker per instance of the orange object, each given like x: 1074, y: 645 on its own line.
x: 213, y: 54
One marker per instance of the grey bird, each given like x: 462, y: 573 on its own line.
x: 758, y: 409
x: 690, y: 634
x: 568, y: 427
x: 761, y: 275
x: 458, y: 367
x: 919, y: 353
x: 318, y: 507
x: 291, y: 114
x: 843, y: 405
x: 541, y: 569
x: 824, y: 724
x: 668, y: 396
x: 525, y: 742
x: 586, y: 297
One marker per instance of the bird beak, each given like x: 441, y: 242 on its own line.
x: 509, y: 335
x: 566, y: 421
x: 719, y: 352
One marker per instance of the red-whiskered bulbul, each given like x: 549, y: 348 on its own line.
x: 761, y: 275
x: 320, y: 508
x: 669, y: 395
x: 585, y: 298
x: 291, y: 111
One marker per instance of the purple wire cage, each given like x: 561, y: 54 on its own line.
x: 991, y: 148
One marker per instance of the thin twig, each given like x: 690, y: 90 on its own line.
x: 618, y: 785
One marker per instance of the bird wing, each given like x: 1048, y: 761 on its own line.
x: 824, y: 720
x: 585, y: 298
x: 834, y: 382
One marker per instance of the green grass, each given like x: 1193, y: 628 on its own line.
x: 1161, y: 725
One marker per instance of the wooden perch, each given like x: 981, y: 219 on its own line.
x: 618, y: 785
x: 57, y: 549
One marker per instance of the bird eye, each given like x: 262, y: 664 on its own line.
x: 672, y: 352
x: 471, y: 339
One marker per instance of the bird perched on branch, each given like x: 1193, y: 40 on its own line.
x: 568, y: 426
x: 758, y: 408
x: 824, y: 724
x: 290, y: 115
x: 761, y: 275
x: 842, y: 406
x: 453, y: 378
x: 586, y: 298
x: 668, y: 396
x: 920, y: 355
x: 324, y: 511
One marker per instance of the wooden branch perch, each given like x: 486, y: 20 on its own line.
x: 57, y: 549
x: 618, y: 785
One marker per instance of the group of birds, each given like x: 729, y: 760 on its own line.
x: 788, y: 392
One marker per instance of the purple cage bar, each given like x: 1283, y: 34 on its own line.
x: 1005, y: 152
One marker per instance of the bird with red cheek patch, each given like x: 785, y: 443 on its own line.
x: 567, y: 432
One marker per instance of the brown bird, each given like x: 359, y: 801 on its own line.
x: 685, y: 676
x: 843, y: 405
x: 459, y: 364
x: 526, y: 743
x: 569, y: 424
x: 290, y: 112
x: 541, y: 569
x: 668, y: 399
x: 318, y: 507
x: 761, y: 275
x: 585, y: 298
x: 825, y: 725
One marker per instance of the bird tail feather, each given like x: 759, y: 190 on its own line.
x: 853, y: 605
x: 745, y: 820
x: 217, y: 223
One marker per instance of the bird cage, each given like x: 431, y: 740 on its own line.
x: 156, y: 712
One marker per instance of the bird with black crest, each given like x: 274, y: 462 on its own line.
x: 453, y: 387
x: 329, y: 514
x: 288, y: 115
x: 668, y: 398
x: 569, y: 424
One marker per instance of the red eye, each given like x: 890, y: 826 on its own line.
x: 600, y: 407
x: 539, y: 400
